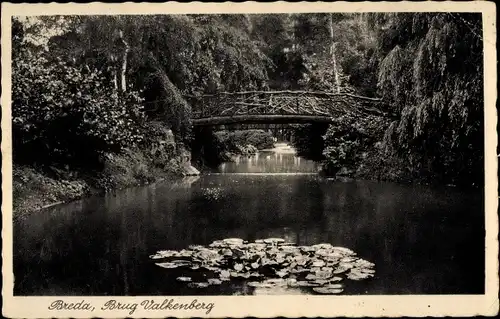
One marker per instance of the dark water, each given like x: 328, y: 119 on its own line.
x: 422, y: 240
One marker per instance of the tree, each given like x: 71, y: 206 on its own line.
x: 66, y: 112
x: 431, y: 73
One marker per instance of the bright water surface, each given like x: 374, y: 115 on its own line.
x: 422, y: 240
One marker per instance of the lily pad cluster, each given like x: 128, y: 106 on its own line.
x: 268, y: 263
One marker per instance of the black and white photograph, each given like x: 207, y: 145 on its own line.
x: 212, y: 154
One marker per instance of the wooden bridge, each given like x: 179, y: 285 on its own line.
x: 278, y: 107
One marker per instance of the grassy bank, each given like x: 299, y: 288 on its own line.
x: 38, y: 187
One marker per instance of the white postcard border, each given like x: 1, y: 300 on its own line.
x: 265, y: 306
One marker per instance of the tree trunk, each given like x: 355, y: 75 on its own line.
x: 123, y: 72
x: 332, y: 52
x: 115, y: 80
x: 113, y: 68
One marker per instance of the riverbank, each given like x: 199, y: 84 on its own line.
x: 36, y: 188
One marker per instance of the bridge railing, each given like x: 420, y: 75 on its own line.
x: 281, y: 102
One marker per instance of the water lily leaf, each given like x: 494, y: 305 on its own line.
x: 302, y: 262
x: 291, y: 281
x: 306, y: 284
x: 334, y: 286
x: 330, y: 255
x: 284, y: 244
x: 254, y: 265
x: 322, y: 246
x: 218, y: 244
x: 342, y: 267
x: 238, y: 267
x: 318, y: 263
x: 273, y: 240
x: 321, y: 282
x: 272, y: 251
x: 357, y: 275
x: 208, y: 254
x: 256, y: 246
x: 227, y: 252
x: 233, y: 241
x: 169, y: 265
x: 198, y: 284
x: 311, y: 277
x: 164, y: 254
x: 185, y: 253
x: 323, y: 290
x: 266, y: 261
x: 323, y: 274
x: 363, y: 263
x: 288, y: 248
x: 365, y: 270
x: 184, y: 278
x: 344, y: 251
x: 276, y: 281
x: 174, y: 264
x: 196, y: 247
x: 281, y: 273
x: 298, y: 270
x: 214, y: 281
x: 307, y: 249
x: 314, y: 269
x: 292, y: 265
x: 256, y: 284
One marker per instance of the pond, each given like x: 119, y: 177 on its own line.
x: 421, y: 240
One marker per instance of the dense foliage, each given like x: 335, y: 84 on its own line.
x: 432, y: 75
x: 349, y: 139
x: 69, y: 115
x: 258, y: 138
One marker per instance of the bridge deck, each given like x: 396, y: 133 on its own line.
x: 262, y: 119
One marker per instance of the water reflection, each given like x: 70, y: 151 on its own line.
x: 268, y: 162
x: 100, y: 246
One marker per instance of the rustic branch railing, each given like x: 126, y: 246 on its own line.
x: 291, y: 105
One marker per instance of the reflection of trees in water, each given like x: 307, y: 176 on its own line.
x: 270, y: 162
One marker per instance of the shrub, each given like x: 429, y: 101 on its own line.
x: 348, y: 139
x: 127, y: 168
x: 235, y: 139
x: 158, y: 144
x: 66, y: 114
